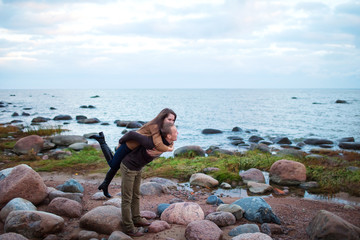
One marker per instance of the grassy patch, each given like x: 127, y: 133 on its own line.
x: 87, y: 160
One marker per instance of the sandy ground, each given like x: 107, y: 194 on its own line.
x: 294, y: 213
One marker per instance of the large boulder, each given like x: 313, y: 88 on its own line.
x: 16, y: 204
x: 67, y: 140
x: 103, y: 219
x: 326, y: 225
x: 203, y: 180
x: 29, y: 144
x: 22, y: 182
x: 193, y: 149
x: 286, y: 172
x: 204, y: 230
x: 257, y: 210
x: 33, y: 224
x: 65, y: 207
x: 252, y: 174
x: 182, y: 213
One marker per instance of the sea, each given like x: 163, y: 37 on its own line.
x: 269, y: 113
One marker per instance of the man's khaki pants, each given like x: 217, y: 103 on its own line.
x: 130, y: 202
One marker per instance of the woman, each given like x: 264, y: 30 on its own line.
x: 151, y: 128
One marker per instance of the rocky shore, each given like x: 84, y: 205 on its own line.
x: 62, y: 206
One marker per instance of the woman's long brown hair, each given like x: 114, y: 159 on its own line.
x: 159, y: 119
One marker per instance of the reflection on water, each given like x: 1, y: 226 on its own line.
x: 343, y: 198
x: 241, y: 192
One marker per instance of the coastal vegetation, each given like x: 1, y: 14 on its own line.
x: 335, y: 171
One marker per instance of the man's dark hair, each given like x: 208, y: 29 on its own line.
x: 166, y: 129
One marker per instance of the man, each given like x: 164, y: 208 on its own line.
x: 130, y: 168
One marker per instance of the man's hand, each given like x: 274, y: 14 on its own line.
x: 153, y: 152
x: 171, y: 149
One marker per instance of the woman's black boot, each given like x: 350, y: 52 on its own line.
x: 104, y: 147
x: 105, y: 184
x: 100, y: 138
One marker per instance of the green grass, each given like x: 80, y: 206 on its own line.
x: 86, y: 160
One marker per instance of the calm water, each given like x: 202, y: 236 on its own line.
x: 270, y: 112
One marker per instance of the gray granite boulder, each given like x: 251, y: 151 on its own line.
x: 33, y: 224
x: 16, y: 204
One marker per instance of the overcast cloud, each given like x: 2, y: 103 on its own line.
x: 179, y: 44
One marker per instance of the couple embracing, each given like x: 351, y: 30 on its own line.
x: 135, y: 150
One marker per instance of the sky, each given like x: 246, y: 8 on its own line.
x: 114, y: 44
